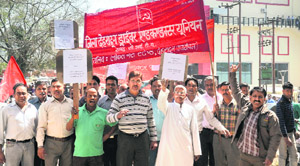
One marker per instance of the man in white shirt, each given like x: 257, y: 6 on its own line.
x: 18, y: 121
x: 207, y: 133
x: 180, y: 143
x: 54, y: 140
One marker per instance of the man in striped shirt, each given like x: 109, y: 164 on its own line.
x: 133, y: 110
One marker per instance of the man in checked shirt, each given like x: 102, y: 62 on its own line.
x: 227, y: 112
x: 257, y: 129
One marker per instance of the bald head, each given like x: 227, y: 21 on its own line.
x: 91, y: 98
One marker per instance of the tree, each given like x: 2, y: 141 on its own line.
x: 25, y: 29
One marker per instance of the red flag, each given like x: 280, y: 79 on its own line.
x: 12, y: 75
x: 146, y: 31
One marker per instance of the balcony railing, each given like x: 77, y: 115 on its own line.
x: 254, y: 21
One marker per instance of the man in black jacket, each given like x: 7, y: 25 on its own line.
x: 286, y: 119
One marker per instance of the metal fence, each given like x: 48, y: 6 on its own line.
x: 254, y: 21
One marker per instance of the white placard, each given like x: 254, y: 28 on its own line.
x: 155, y: 67
x: 118, y: 70
x: 75, y: 66
x: 63, y: 34
x: 174, y: 66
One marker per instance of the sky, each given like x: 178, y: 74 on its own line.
x: 109, y: 4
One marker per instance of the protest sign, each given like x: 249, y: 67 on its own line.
x: 173, y: 67
x: 118, y: 70
x: 146, y: 31
x: 65, y: 34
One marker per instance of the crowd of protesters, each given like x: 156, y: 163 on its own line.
x: 227, y: 124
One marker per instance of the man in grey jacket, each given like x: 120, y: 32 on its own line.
x: 257, y: 129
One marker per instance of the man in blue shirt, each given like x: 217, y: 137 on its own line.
x: 158, y: 116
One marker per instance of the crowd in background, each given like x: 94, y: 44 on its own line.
x: 175, y: 124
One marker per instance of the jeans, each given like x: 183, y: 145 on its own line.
x: 283, y: 148
x: 16, y: 153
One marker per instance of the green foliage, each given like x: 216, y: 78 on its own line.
x: 25, y: 29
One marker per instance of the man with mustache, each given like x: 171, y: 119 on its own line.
x: 53, y: 139
x: 158, y: 116
x: 225, y: 152
x: 133, y: 110
x: 110, y: 137
x: 40, y: 93
x: 257, y: 129
x: 18, y: 122
x: 41, y: 97
x: 201, y: 108
x: 207, y: 134
x: 180, y: 143
x: 285, y: 113
x: 89, y: 129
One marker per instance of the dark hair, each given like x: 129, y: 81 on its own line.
x: 135, y: 74
x: 112, y: 78
x: 224, y: 83
x: 17, y: 85
x: 191, y: 79
x: 38, y: 83
x: 258, y: 89
x: 155, y: 78
x: 54, y: 80
x: 287, y: 85
x: 243, y: 84
x: 96, y: 79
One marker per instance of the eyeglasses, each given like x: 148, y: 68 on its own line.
x: 180, y: 93
x: 21, y: 93
x: 136, y: 81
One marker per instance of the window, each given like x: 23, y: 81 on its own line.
x: 222, y: 72
x: 281, y: 70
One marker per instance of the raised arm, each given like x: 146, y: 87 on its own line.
x: 239, y: 97
x: 162, y: 101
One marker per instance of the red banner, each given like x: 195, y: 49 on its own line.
x: 12, y: 75
x: 146, y: 31
x: 149, y: 66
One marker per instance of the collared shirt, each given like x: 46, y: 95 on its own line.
x: 89, y: 132
x: 158, y: 116
x: 202, y: 112
x: 105, y: 102
x: 248, y: 143
x: 210, y: 102
x: 53, y: 118
x: 36, y: 101
x: 140, y: 115
x: 228, y: 115
x: 18, y: 123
